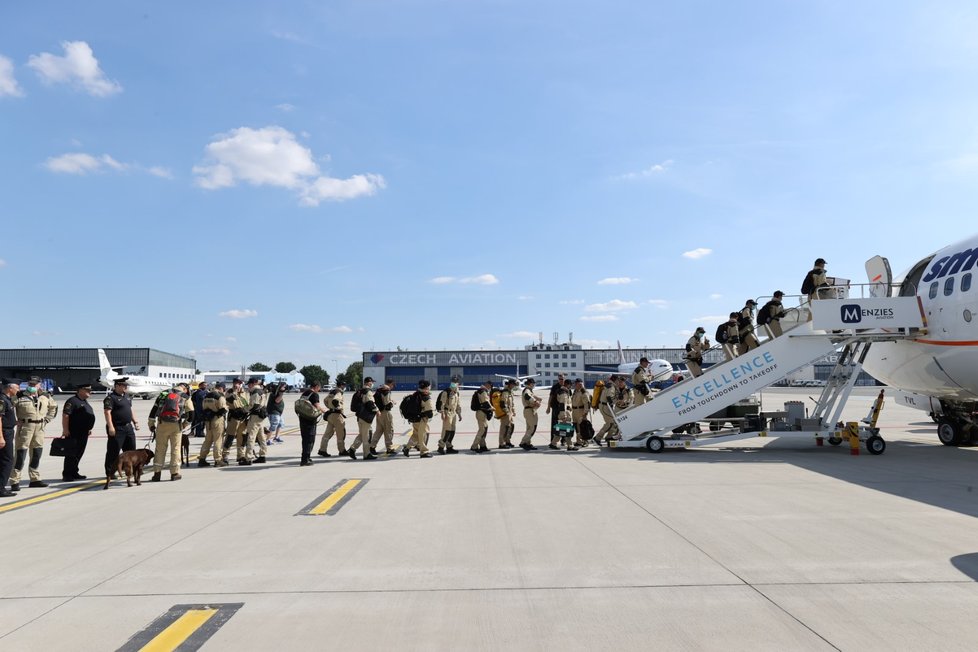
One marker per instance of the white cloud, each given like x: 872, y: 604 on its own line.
x: 617, y: 280
x: 341, y: 329
x: 306, y: 328
x: 238, y: 314
x: 520, y: 335
x: 525, y: 297
x: 661, y: 304
x: 288, y: 36
x: 599, y: 318
x: 285, y: 107
x: 615, y: 305
x: 649, y: 172
x: 710, y: 319
x: 8, y: 84
x: 210, y: 351
x: 716, y: 296
x: 231, y: 339
x: 572, y: 302
x: 483, y: 279
x: 270, y: 156
x: 685, y: 332
x: 80, y: 163
x: 442, y: 280
x: 161, y: 172
x: 3, y: 263
x: 593, y: 344
x: 696, y: 254
x: 78, y: 67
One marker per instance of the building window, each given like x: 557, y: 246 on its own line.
x: 966, y: 282
x: 546, y: 356
x: 538, y: 356
x: 565, y: 364
x: 933, y: 290
x: 949, y: 286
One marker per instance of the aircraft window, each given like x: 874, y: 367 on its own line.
x: 966, y: 282
x: 933, y: 290
x: 949, y: 286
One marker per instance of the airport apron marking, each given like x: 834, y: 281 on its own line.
x: 184, y: 627
x: 331, y: 501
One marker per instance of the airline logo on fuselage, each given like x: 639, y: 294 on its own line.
x: 962, y: 261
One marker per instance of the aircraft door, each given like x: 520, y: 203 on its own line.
x: 880, y: 276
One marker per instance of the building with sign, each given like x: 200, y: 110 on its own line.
x: 67, y: 368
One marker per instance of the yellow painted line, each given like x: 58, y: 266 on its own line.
x: 61, y: 493
x: 334, y: 499
x: 182, y: 628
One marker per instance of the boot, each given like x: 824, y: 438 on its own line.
x: 156, y: 476
x: 203, y: 462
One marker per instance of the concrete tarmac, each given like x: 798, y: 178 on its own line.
x: 762, y: 544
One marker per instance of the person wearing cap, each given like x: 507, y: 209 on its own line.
x: 77, y: 419
x: 506, y: 406
x: 335, y: 420
x: 770, y: 314
x: 237, y: 403
x: 214, y: 408
x: 728, y: 334
x: 35, y: 409
x: 482, y: 406
x: 120, y: 425
x: 745, y: 327
x: 552, y: 402
x: 419, y: 428
x: 257, y: 413
x: 176, y: 410
x: 365, y: 419
x: 605, y: 405
x: 641, y: 378
x: 385, y: 418
x: 580, y: 411
x: 197, y: 398
x: 559, y: 437
x: 8, y: 421
x: 450, y: 408
x: 531, y: 403
x: 307, y: 424
x: 695, y: 346
x: 815, y: 280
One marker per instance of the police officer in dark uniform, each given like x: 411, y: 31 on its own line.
x: 8, y: 421
x: 77, y: 419
x: 120, y: 426
x: 197, y: 398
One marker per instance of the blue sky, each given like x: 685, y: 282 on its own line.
x: 302, y: 181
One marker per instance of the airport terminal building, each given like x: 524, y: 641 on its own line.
x: 67, y: 368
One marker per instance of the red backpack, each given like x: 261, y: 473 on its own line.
x: 170, y: 408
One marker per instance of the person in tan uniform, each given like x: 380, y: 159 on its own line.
x: 506, y: 425
x: 745, y: 327
x: 641, y: 378
x: 605, y: 405
x: 580, y: 411
x: 215, y: 409
x: 695, y: 346
x: 237, y: 425
x: 770, y: 314
x: 419, y: 425
x: 482, y: 406
x: 450, y: 408
x: 365, y: 419
x: 531, y: 404
x: 335, y: 421
x: 34, y: 409
x: 175, y: 410
x: 816, y: 282
x: 385, y: 418
x: 561, y: 435
x: 257, y: 413
x: 731, y: 334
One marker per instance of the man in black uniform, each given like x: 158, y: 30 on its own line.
x: 77, y: 420
x: 8, y: 420
x: 120, y: 427
x: 197, y: 398
x: 307, y: 427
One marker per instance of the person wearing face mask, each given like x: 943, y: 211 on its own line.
x: 365, y: 413
x: 450, y: 408
x: 385, y: 418
x: 695, y: 346
x: 419, y: 432
x: 745, y: 327
x: 35, y: 409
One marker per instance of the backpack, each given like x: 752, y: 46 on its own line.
x: 210, y: 405
x: 410, y: 407
x: 722, y: 333
x: 305, y: 409
x: 440, y: 401
x: 356, y: 403
x: 170, y: 408
x: 808, y: 286
x: 476, y: 404
x: 764, y: 316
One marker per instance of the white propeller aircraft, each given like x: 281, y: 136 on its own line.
x: 940, y: 367
x: 138, y: 385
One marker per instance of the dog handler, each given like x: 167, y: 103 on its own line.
x: 120, y: 426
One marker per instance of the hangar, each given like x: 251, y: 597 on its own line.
x: 67, y: 368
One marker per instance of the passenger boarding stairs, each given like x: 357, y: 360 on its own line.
x: 832, y: 328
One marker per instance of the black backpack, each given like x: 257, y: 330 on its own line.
x: 410, y: 407
x: 809, y: 284
x: 476, y: 404
x: 440, y: 401
x: 722, y: 333
x: 356, y: 403
x: 764, y: 316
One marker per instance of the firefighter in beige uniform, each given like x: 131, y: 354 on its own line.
x: 419, y: 427
x: 35, y: 409
x: 745, y: 327
x: 215, y: 407
x: 506, y: 403
x: 335, y: 421
x: 482, y: 406
x: 605, y: 402
x: 695, y: 346
x: 450, y: 408
x: 580, y: 409
x: 385, y: 418
x: 641, y: 378
x: 175, y: 409
x: 365, y: 418
x: 256, y: 417
x: 531, y: 403
x: 237, y: 402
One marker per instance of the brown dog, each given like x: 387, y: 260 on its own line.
x: 185, y: 450
x: 131, y: 463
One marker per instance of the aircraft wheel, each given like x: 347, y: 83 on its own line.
x: 695, y: 429
x: 950, y: 432
x: 835, y: 441
x: 875, y: 445
x: 655, y: 444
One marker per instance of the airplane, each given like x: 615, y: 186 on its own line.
x: 940, y: 366
x: 143, y: 386
x: 660, y: 369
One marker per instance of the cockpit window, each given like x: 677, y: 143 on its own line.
x: 966, y: 282
x: 949, y: 286
x: 933, y: 290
